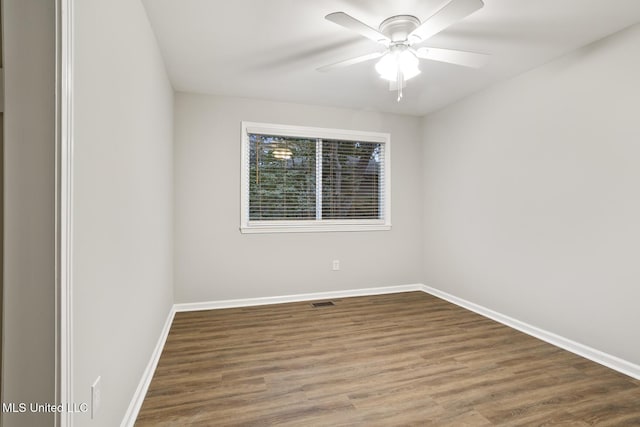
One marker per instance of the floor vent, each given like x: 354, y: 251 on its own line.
x: 322, y: 304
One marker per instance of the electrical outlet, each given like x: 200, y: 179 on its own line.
x: 96, y: 397
x: 336, y: 264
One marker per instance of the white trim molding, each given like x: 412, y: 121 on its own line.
x: 592, y: 354
x: 249, y: 302
x: 608, y: 360
x: 141, y: 391
x: 293, y: 225
x: 64, y: 210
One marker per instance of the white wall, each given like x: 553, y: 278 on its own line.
x: 29, y: 227
x: 123, y: 201
x: 531, y: 197
x: 214, y: 261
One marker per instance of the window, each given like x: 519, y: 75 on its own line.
x: 313, y: 179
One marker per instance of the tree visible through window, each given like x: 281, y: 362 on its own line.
x: 350, y: 179
x: 282, y: 178
x: 301, y: 180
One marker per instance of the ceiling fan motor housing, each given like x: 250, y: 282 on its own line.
x: 398, y: 27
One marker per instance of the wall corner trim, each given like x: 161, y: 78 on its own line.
x: 141, y: 391
x: 608, y: 360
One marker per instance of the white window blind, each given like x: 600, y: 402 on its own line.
x: 282, y: 178
x: 312, y: 179
x: 351, y: 177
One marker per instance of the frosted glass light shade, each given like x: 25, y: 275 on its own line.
x: 388, y: 65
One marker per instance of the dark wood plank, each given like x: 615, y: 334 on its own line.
x: 399, y: 359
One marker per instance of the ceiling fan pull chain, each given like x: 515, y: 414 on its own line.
x: 400, y: 82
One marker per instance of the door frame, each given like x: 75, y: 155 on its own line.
x: 64, y: 210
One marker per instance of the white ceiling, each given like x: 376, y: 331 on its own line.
x: 270, y: 49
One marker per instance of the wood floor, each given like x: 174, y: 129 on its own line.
x: 399, y: 359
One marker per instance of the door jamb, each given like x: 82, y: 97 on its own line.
x: 64, y: 210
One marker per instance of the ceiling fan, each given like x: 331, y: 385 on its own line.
x: 400, y: 35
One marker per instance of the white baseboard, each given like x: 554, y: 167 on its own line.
x: 590, y: 353
x: 608, y: 360
x: 138, y: 397
x: 248, y: 302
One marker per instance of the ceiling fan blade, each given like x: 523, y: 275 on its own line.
x: 351, y: 23
x: 351, y: 61
x: 458, y: 57
x: 450, y: 13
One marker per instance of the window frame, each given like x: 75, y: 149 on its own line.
x: 313, y: 225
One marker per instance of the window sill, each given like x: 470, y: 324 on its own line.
x: 312, y: 228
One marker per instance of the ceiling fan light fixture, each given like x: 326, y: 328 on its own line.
x: 400, y: 35
x: 404, y: 61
